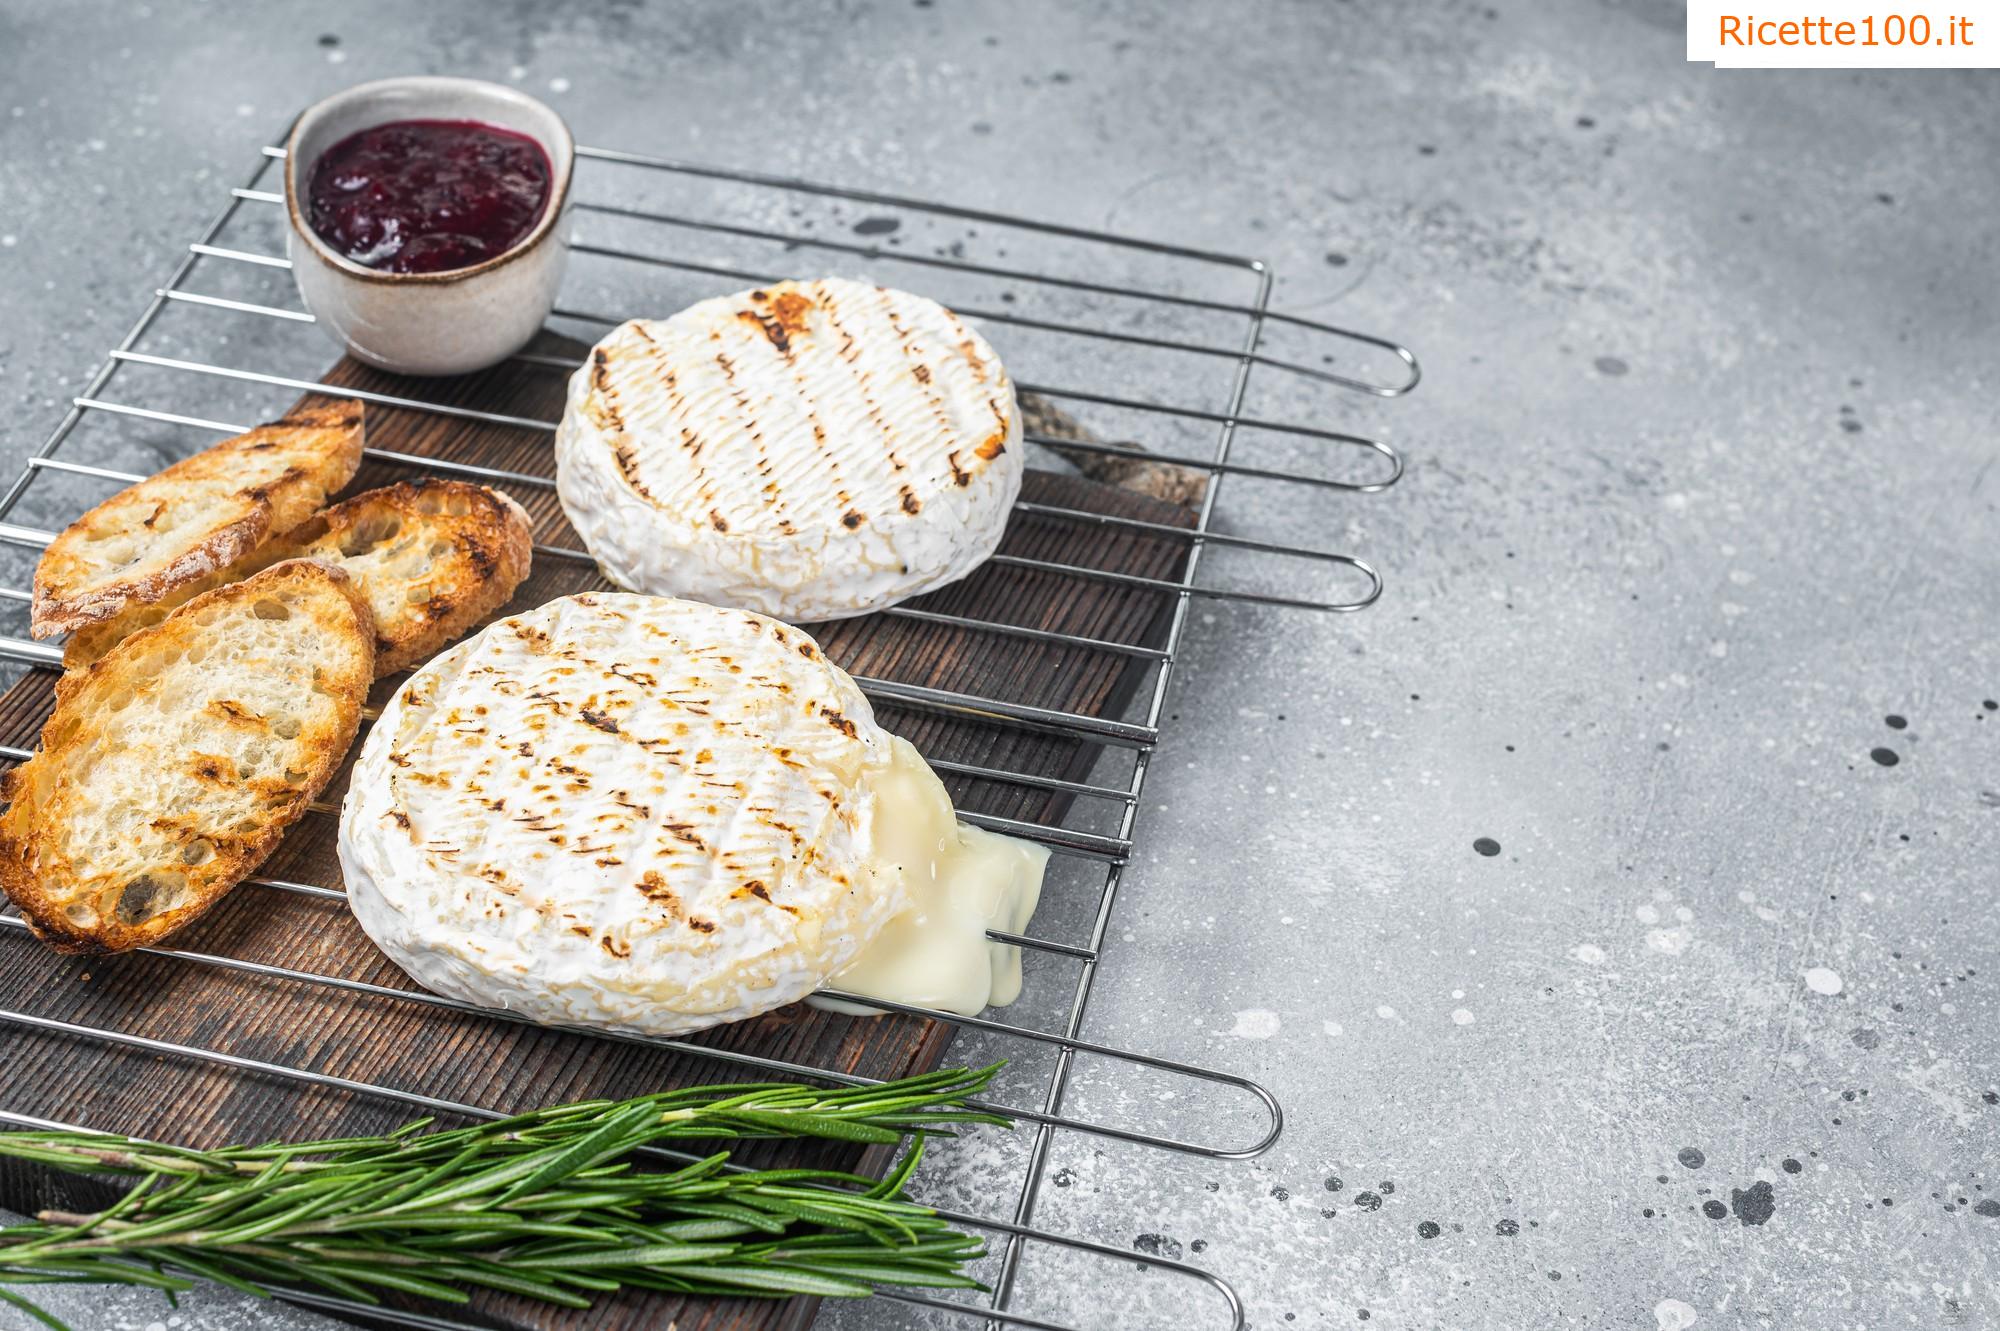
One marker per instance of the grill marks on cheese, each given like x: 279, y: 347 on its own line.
x: 675, y: 729
x: 775, y: 381
x: 621, y: 793
x: 831, y: 416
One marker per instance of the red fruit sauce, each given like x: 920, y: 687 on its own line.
x: 428, y: 196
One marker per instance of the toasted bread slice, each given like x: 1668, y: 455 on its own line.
x: 172, y: 766
x: 433, y: 557
x: 199, y: 515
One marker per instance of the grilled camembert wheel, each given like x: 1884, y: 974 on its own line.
x: 648, y: 815
x: 809, y: 450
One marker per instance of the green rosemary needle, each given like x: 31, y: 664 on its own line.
x: 554, y: 1205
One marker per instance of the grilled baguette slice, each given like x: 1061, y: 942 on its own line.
x: 433, y: 558
x: 198, y: 516
x: 172, y: 766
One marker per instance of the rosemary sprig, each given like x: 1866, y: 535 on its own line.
x: 551, y: 1205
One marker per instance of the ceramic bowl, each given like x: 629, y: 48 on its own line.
x: 430, y: 323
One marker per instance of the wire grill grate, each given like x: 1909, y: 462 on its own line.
x: 1109, y: 848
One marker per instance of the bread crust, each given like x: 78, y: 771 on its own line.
x: 200, y: 515
x: 296, y: 644
x: 88, y: 644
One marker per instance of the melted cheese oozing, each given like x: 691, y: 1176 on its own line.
x: 961, y: 881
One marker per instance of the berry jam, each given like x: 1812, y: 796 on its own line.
x: 428, y: 196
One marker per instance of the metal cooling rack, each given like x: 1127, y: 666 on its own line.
x: 1154, y: 301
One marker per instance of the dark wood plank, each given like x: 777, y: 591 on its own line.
x: 505, y: 1066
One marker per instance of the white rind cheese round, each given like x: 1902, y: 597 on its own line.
x: 624, y: 812
x: 807, y: 450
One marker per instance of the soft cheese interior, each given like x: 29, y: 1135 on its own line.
x: 961, y: 882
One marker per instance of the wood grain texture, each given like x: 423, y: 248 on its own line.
x: 503, y: 1065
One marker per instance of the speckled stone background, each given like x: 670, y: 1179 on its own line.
x: 1691, y: 622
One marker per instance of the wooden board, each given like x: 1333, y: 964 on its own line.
x: 507, y: 1066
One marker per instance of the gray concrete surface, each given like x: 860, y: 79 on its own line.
x: 1699, y: 534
